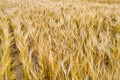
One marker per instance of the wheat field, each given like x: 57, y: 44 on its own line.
x: 59, y: 39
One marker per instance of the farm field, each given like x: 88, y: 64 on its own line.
x: 59, y: 39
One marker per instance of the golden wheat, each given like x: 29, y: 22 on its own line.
x: 59, y: 40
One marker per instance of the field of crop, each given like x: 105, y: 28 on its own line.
x: 59, y: 39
